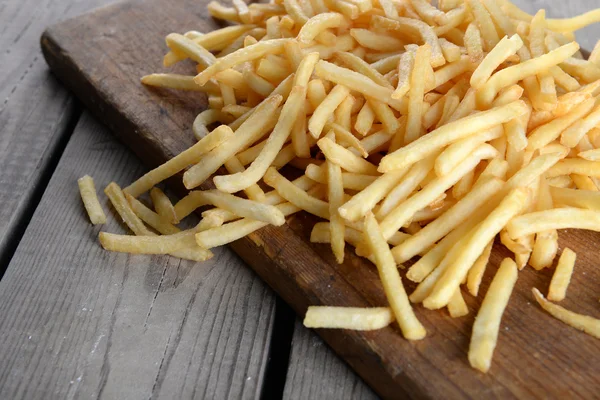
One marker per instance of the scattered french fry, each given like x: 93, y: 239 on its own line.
x: 487, y: 322
x: 360, y: 319
x: 87, y: 190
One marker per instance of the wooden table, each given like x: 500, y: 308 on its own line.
x: 79, y: 322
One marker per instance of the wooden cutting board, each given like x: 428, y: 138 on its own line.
x: 100, y: 56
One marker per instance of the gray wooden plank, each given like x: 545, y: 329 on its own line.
x: 78, y: 322
x: 36, y: 112
x: 315, y: 372
x: 314, y: 369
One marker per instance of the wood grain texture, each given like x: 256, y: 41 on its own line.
x: 79, y: 322
x: 537, y: 357
x: 35, y: 110
x: 315, y: 372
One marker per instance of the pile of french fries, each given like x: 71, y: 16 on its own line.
x: 423, y: 132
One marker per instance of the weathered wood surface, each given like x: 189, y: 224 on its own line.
x: 79, y: 322
x: 37, y: 114
x: 315, y: 372
x: 536, y: 357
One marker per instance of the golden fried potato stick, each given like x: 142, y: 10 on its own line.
x: 250, y: 53
x: 562, y: 275
x: 487, y: 322
x: 87, y: 190
x: 335, y: 195
x: 558, y: 218
x: 589, y: 325
x: 361, y: 319
x: 392, y: 283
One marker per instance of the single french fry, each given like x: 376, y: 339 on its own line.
x: 87, y: 190
x: 361, y: 319
x: 562, y: 275
x: 392, y: 283
x: 505, y: 48
x: 473, y: 43
x: 317, y: 24
x: 250, y: 53
x: 179, y: 82
x: 374, y: 41
x: 589, y: 325
x: 345, y: 158
x: 415, y: 96
x: 575, y: 166
x: 476, y: 272
x: 191, y: 49
x: 336, y: 198
x: 364, y: 119
x: 558, y: 218
x: 326, y: 109
x: 457, y: 306
x: 487, y: 322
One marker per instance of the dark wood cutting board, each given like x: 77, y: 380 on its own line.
x: 100, y: 56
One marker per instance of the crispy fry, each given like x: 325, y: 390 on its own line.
x: 562, y: 275
x: 87, y: 190
x: 392, y: 283
x: 361, y: 319
x: 589, y: 325
x: 487, y: 322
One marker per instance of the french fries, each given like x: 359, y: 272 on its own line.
x: 419, y: 131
